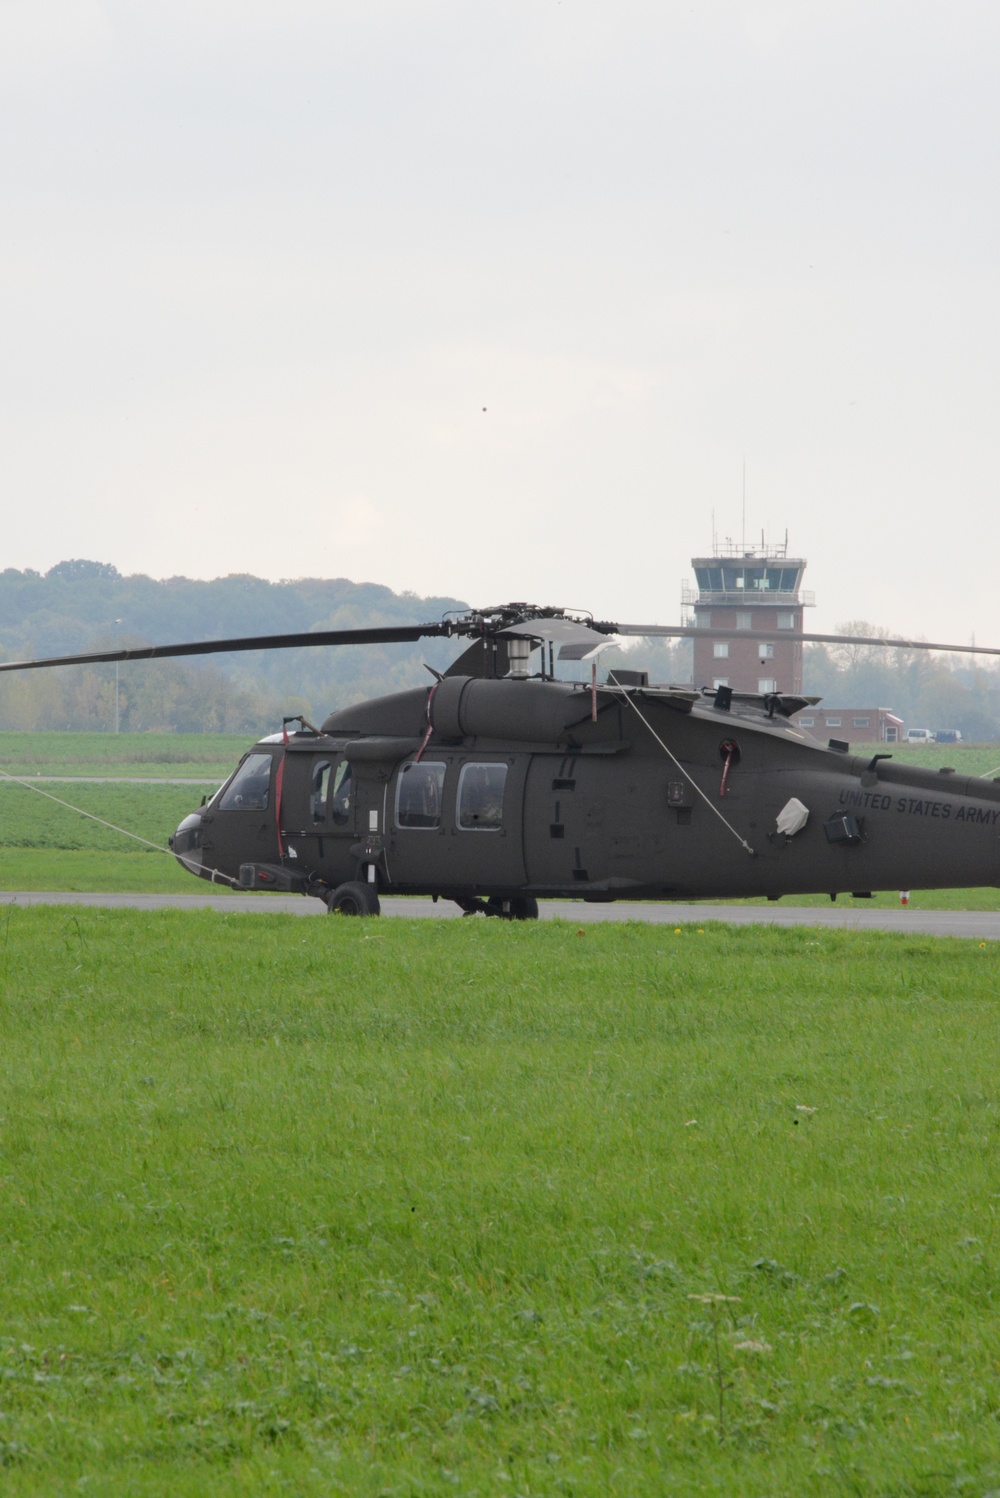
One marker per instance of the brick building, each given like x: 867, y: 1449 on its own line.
x: 851, y: 725
x: 756, y: 597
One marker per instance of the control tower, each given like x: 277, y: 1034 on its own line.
x: 755, y: 595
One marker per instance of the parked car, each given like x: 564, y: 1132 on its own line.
x: 947, y: 736
x: 919, y: 736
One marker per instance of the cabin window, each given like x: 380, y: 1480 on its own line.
x: 419, y: 794
x: 480, y: 797
x: 862, y: 722
x: 247, y: 791
x: 320, y: 785
x: 340, y: 799
x: 832, y: 722
x: 806, y: 722
x: 720, y: 650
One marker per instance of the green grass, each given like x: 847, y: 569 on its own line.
x: 45, y: 846
x: 211, y: 755
x: 985, y: 898
x: 214, y: 754
x: 98, y: 873
x: 966, y: 759
x: 32, y: 820
x: 427, y: 1208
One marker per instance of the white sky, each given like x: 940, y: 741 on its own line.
x: 263, y: 265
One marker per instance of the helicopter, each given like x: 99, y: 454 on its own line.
x: 499, y: 784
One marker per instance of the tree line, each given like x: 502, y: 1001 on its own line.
x: 924, y: 689
x: 82, y: 605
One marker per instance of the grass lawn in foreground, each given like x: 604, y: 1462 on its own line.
x: 435, y: 1207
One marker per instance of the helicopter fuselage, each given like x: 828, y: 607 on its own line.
x: 508, y: 788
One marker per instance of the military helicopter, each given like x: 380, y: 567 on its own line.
x: 498, y: 784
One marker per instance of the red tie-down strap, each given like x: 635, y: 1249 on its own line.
x: 430, y: 726
x: 279, y: 781
x: 730, y: 752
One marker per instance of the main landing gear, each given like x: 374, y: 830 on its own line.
x: 515, y: 908
x: 354, y: 898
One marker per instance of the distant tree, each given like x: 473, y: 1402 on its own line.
x: 79, y: 570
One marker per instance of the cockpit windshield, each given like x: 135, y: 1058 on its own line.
x: 248, y: 789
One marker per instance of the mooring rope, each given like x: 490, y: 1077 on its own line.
x: 157, y: 847
x: 709, y: 803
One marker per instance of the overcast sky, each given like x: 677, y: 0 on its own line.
x: 496, y: 299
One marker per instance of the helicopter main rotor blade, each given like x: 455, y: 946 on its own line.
x: 388, y: 634
x: 692, y: 632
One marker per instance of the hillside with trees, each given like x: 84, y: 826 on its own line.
x: 83, y: 605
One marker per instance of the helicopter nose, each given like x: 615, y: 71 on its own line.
x: 185, y: 843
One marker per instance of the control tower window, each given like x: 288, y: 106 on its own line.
x: 766, y: 684
x: 786, y: 621
x: 744, y: 621
x: 720, y: 681
x: 766, y: 650
x: 720, y: 650
x: 702, y: 620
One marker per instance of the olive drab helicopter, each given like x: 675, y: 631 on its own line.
x: 498, y: 784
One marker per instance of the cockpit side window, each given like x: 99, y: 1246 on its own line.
x: 480, y: 797
x: 419, y: 794
x: 320, y: 785
x: 248, y: 789
x: 340, y: 797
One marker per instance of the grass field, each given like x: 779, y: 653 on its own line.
x: 464, y: 1207
x: 45, y: 846
x: 212, y: 755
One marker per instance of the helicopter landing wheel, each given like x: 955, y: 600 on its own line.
x: 353, y: 899
x: 517, y: 908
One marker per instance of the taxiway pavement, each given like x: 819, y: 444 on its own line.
x: 982, y: 925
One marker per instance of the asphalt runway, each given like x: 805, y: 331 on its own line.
x: 981, y: 925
